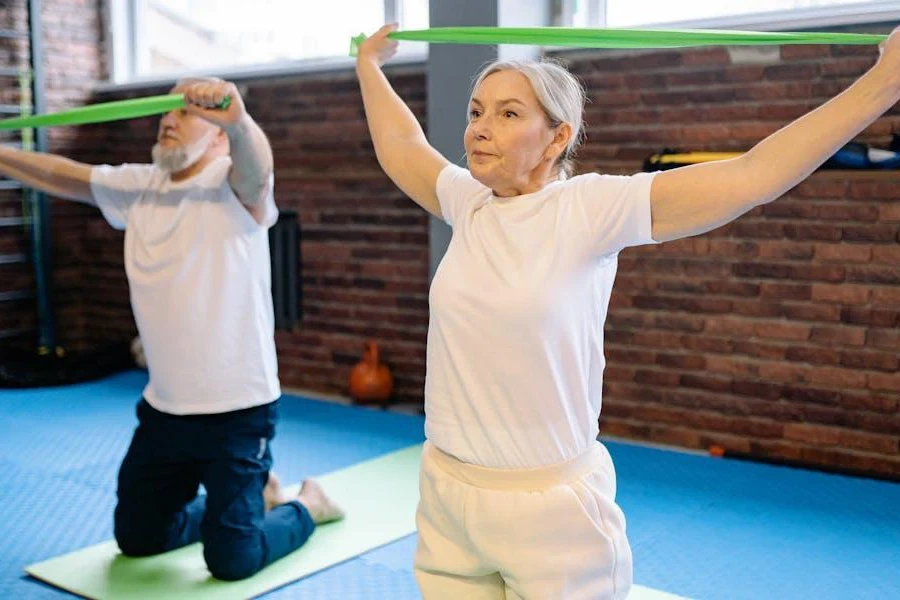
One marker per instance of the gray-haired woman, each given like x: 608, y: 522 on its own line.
x: 517, y: 494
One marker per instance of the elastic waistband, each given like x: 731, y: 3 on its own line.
x: 590, y: 461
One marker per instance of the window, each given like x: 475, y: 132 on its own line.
x: 735, y: 14
x: 167, y: 38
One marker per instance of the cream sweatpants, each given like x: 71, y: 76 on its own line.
x: 537, y: 534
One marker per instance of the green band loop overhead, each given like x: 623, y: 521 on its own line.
x: 106, y: 111
x: 574, y: 37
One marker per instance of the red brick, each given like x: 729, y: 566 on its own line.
x: 760, y: 350
x: 782, y: 331
x: 875, y: 190
x: 819, y: 186
x: 615, y: 372
x: 731, y: 366
x: 730, y: 326
x: 813, y: 231
x: 757, y: 389
x: 761, y: 230
x: 847, y: 67
x: 867, y: 401
x: 792, y: 71
x: 723, y: 248
x: 705, y: 56
x: 704, y: 343
x: 884, y: 338
x: 789, y: 52
x: 786, y: 291
x: 874, y: 423
x: 836, y: 377
x: 679, y: 322
x: 889, y: 212
x: 789, y: 250
x: 652, y: 377
x: 792, y: 210
x: 871, y: 442
x: 681, y: 361
x: 843, y: 294
x: 843, y: 253
x: 757, y: 308
x: 829, y: 273
x: 818, y: 435
x: 629, y: 355
x: 732, y: 288
x: 852, y: 212
x: 869, y: 361
x: 886, y: 254
x: 783, y: 372
x: 694, y: 305
x: 841, y: 335
x: 704, y: 382
x: 657, y: 339
x: 811, y: 312
x: 869, y: 233
x: 825, y: 415
x: 884, y: 382
x: 872, y: 317
x: 813, y: 354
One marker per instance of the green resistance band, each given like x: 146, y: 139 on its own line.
x: 106, y: 111
x: 618, y: 38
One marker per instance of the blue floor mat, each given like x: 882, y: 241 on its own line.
x: 712, y: 528
x: 699, y: 527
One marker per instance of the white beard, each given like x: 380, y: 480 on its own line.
x: 173, y: 160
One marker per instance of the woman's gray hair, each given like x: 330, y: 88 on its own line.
x: 559, y: 93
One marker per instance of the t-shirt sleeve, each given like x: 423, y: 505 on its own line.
x: 270, y: 217
x: 457, y: 190
x: 116, y: 188
x: 617, y: 211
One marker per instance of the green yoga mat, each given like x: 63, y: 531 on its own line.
x: 587, y: 37
x: 379, y: 496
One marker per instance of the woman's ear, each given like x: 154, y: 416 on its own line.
x: 562, y: 134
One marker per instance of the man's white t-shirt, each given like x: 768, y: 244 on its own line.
x: 517, y: 308
x: 199, y: 275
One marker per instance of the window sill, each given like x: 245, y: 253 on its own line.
x: 300, y: 67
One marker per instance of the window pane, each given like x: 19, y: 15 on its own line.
x: 627, y: 13
x: 414, y: 14
x: 187, y: 35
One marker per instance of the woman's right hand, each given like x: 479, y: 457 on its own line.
x: 378, y: 48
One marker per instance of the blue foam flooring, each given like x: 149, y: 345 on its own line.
x: 699, y: 527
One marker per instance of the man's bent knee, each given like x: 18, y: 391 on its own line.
x: 232, y: 562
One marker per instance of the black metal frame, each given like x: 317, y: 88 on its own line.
x: 39, y: 225
x: 284, y: 247
x: 40, y: 209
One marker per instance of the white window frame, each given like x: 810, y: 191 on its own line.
x: 782, y: 20
x: 124, y: 39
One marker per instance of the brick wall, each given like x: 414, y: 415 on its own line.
x: 74, y: 59
x: 15, y: 275
x: 777, y: 335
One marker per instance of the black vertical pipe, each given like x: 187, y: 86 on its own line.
x: 40, y: 224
